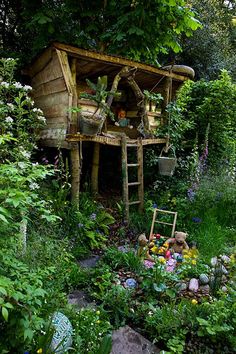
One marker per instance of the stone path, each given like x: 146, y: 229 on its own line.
x: 126, y: 341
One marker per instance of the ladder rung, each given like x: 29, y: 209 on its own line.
x: 134, y: 183
x: 165, y: 223
x: 131, y: 145
x: 132, y: 164
x: 136, y: 202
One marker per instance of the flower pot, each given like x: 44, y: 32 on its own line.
x: 90, y: 124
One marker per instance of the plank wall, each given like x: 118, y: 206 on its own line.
x: 51, y: 94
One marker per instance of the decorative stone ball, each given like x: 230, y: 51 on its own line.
x: 62, y: 338
x: 130, y: 283
x: 204, y: 279
x: 193, y: 285
x: 225, y: 259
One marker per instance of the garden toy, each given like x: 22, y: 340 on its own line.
x: 143, y: 249
x: 178, y: 243
x: 122, y: 120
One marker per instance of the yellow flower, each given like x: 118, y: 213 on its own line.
x: 186, y: 256
x: 98, y: 321
x: 194, y: 302
x: 98, y: 312
x: 194, y: 262
x: 162, y: 260
x: 39, y: 351
x: 154, y: 249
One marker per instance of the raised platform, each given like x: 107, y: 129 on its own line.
x: 110, y: 140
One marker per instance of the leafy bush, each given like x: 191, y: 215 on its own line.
x: 23, y: 303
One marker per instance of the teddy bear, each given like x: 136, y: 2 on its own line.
x: 143, y: 248
x: 178, y: 243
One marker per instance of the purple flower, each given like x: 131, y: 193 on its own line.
x: 93, y: 216
x: 154, y: 205
x: 44, y: 160
x: 196, y: 219
x: 80, y: 225
x: 191, y: 194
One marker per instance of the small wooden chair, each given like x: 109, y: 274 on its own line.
x: 155, y: 220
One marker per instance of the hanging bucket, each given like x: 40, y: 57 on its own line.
x: 166, y: 165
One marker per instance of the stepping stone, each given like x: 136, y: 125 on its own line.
x: 126, y: 249
x: 126, y: 341
x: 80, y: 299
x: 89, y: 262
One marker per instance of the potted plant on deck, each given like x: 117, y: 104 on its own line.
x: 152, y: 105
x: 93, y: 107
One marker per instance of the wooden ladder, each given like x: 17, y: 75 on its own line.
x: 154, y: 220
x: 126, y: 145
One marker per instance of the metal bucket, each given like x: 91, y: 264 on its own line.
x: 166, y: 165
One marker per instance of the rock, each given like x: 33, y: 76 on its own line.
x: 205, y: 289
x: 224, y: 270
x: 126, y: 341
x: 204, y: 279
x: 80, y: 299
x: 220, y: 270
x: 225, y: 259
x: 181, y: 286
x: 126, y: 249
x: 214, y: 261
x: 193, y: 285
x: 62, y: 337
x: 89, y: 262
x: 224, y: 279
x: 130, y: 283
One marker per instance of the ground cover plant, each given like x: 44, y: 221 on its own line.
x: 44, y: 236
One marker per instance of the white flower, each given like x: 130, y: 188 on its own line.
x: 9, y: 59
x: 33, y: 186
x: 10, y: 105
x: 27, y: 88
x: 9, y: 119
x: 37, y: 110
x: 17, y: 85
x: 26, y: 154
x: 42, y: 119
x: 5, y: 84
x: 35, y: 164
x: 22, y: 165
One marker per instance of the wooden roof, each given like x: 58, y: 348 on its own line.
x: 93, y: 64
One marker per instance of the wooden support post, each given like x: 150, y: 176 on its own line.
x: 75, y: 172
x: 95, y: 168
x: 125, y: 176
x: 140, y: 174
x: 166, y: 97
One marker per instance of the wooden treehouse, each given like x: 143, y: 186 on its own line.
x: 58, y: 77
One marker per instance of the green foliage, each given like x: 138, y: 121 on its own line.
x: 212, y: 47
x: 117, y: 301
x: 91, y: 329
x: 211, y: 103
x: 22, y: 302
x: 139, y: 30
x: 19, y: 177
x: 116, y: 259
x: 100, y: 95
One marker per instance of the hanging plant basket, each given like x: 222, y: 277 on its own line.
x: 90, y: 124
x: 166, y: 165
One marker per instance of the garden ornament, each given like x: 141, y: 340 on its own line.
x: 143, y: 248
x: 62, y: 337
x: 178, y: 243
x: 122, y: 120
